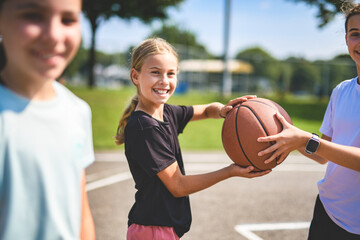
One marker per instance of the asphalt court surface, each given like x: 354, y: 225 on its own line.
x: 276, y: 206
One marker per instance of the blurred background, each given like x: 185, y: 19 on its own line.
x: 291, y: 51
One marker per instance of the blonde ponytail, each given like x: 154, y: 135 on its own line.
x: 120, y: 134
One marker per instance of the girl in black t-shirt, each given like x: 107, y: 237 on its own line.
x: 149, y: 128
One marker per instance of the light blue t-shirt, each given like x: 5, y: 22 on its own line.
x: 44, y: 147
x: 339, y: 191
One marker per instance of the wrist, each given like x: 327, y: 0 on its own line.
x: 312, y: 144
x: 219, y: 111
x: 305, y: 138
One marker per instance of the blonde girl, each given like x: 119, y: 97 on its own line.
x: 149, y: 128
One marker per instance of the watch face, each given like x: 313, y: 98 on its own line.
x: 312, y: 146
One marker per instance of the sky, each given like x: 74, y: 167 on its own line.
x: 283, y: 28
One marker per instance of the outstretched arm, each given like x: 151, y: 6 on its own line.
x: 182, y: 185
x: 216, y: 109
x: 292, y: 138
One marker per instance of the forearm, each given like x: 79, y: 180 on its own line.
x: 314, y: 157
x: 210, y: 110
x: 346, y: 156
x: 180, y: 185
x: 194, y: 183
x: 216, y: 109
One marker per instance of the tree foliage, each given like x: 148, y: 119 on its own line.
x: 182, y: 37
x: 98, y: 11
x: 341, y: 67
x: 263, y: 63
x: 305, y: 77
x: 327, y: 9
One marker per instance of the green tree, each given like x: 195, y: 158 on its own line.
x: 264, y: 65
x: 341, y: 67
x: 77, y: 64
x: 184, y: 38
x: 98, y: 11
x: 327, y: 9
x: 305, y: 76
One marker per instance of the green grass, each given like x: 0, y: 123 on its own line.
x: 107, y: 107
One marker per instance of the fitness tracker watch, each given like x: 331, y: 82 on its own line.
x: 313, y: 144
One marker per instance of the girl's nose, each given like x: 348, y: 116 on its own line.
x: 52, y: 31
x: 164, y: 79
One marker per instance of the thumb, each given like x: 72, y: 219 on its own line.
x: 227, y: 108
x: 281, y: 119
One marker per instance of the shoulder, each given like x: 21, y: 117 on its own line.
x: 141, y: 120
x: 170, y: 108
x: 346, y: 85
x: 178, y: 110
x: 344, y: 88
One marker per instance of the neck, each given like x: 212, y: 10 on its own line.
x: 154, y: 111
x: 41, y: 90
x: 2, y: 81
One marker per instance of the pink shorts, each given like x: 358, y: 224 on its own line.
x: 140, y: 232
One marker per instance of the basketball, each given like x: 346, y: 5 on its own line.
x: 244, y: 124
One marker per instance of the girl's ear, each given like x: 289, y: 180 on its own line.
x: 134, y: 76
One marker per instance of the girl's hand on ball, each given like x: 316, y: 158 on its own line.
x: 286, y: 141
x: 238, y: 171
x: 234, y: 102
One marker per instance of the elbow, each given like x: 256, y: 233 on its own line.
x: 323, y: 161
x: 177, y: 193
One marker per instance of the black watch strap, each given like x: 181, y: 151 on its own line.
x: 312, y: 144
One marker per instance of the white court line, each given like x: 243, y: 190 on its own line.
x: 247, y: 229
x: 108, y: 181
x: 198, y: 167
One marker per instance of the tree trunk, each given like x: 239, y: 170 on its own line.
x: 92, y: 55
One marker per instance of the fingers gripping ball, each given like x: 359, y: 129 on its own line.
x: 244, y: 125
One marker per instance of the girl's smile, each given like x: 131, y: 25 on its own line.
x: 49, y: 59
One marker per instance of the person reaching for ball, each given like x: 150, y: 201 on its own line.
x: 149, y: 128
x: 337, y: 208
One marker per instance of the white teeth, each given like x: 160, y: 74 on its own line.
x: 161, y: 91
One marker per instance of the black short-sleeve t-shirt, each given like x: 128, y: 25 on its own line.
x: 150, y: 147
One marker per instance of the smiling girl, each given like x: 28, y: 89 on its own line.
x: 150, y: 128
x: 45, y: 130
x: 337, y: 208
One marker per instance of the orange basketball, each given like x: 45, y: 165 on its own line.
x: 244, y: 125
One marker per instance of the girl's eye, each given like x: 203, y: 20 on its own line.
x: 69, y: 21
x: 354, y: 34
x: 155, y: 72
x: 32, y: 16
